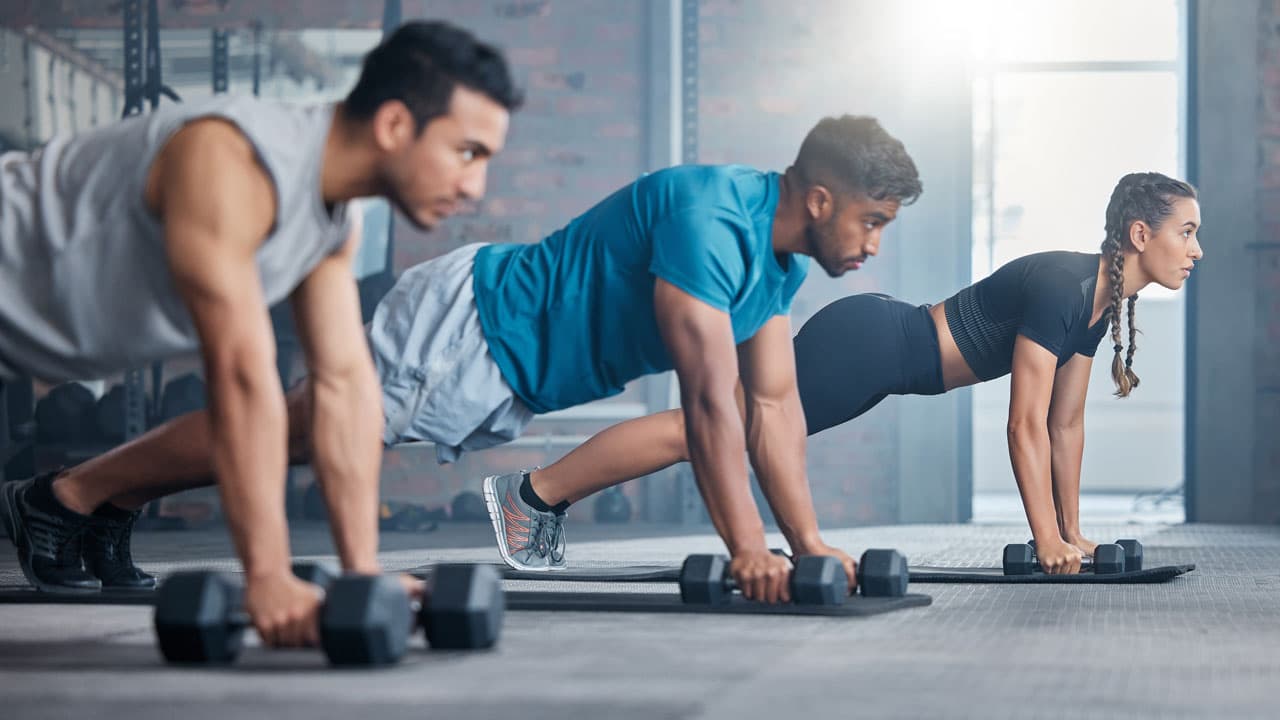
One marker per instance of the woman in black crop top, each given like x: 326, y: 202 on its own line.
x: 1039, y: 318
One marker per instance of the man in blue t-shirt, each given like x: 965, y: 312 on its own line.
x: 691, y: 268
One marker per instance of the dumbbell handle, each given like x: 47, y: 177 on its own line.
x: 1086, y: 564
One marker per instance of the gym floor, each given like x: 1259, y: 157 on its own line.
x: 1202, y: 645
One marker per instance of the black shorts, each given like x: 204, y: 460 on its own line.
x: 855, y: 351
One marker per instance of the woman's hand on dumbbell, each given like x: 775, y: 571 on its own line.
x: 1084, y: 545
x: 762, y: 576
x: 284, y: 610
x: 821, y: 548
x: 1057, y: 557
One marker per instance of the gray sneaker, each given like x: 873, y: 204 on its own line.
x: 527, y: 538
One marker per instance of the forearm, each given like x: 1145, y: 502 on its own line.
x: 1067, y: 451
x: 776, y: 446
x: 1029, y: 453
x: 248, y: 426
x: 717, y: 453
x: 346, y: 452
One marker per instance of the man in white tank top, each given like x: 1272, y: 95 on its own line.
x: 174, y: 232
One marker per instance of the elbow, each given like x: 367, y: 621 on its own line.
x: 243, y: 371
x: 708, y: 398
x: 1021, y: 429
x: 1066, y: 428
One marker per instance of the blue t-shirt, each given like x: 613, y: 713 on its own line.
x: 571, y: 319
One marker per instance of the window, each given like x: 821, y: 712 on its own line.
x: 1069, y: 96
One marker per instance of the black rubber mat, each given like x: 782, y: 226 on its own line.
x: 671, y: 574
x: 544, y: 601
x: 30, y: 596
x: 996, y: 575
x: 856, y: 606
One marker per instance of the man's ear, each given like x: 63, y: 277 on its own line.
x: 393, y: 126
x: 820, y: 203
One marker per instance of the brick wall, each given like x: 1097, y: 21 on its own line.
x: 767, y: 74
x: 579, y: 137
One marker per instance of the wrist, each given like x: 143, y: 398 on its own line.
x: 746, y: 541
x: 1047, y: 534
x: 259, y: 572
x: 805, y: 543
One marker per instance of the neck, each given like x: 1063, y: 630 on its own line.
x: 348, y: 169
x: 789, y: 218
x: 1134, y: 281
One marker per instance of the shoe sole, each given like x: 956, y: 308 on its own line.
x: 495, y: 513
x: 13, y: 525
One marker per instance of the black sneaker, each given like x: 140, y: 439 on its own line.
x: 48, y: 536
x: 107, y: 550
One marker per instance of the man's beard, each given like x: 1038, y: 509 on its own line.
x: 818, y: 239
x: 399, y: 204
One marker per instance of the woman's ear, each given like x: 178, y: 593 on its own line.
x: 1139, y: 234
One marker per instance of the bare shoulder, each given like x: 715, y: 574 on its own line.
x: 210, y: 163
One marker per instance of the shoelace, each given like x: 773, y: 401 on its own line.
x: 113, y: 537
x: 52, y: 538
x: 555, y: 536
x: 537, y: 535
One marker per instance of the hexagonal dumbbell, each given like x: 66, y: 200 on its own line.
x: 315, y: 573
x: 815, y: 580
x: 883, y: 573
x: 463, y: 608
x: 200, y: 618
x: 1132, y: 554
x: 1020, y: 559
x: 463, y: 604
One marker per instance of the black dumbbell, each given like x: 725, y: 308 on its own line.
x: 883, y: 573
x: 815, y: 580
x: 200, y: 618
x: 463, y: 606
x: 1132, y: 553
x: 1020, y: 559
x: 315, y: 573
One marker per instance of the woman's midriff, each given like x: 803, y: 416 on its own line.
x: 955, y: 371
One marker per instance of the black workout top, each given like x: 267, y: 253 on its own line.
x: 1047, y: 297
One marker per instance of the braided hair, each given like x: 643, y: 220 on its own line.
x: 1146, y: 197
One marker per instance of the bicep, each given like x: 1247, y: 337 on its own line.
x: 1031, y: 381
x: 767, y: 361
x: 214, y: 219
x: 697, y: 336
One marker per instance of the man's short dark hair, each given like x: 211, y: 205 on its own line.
x: 853, y: 154
x: 421, y: 63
